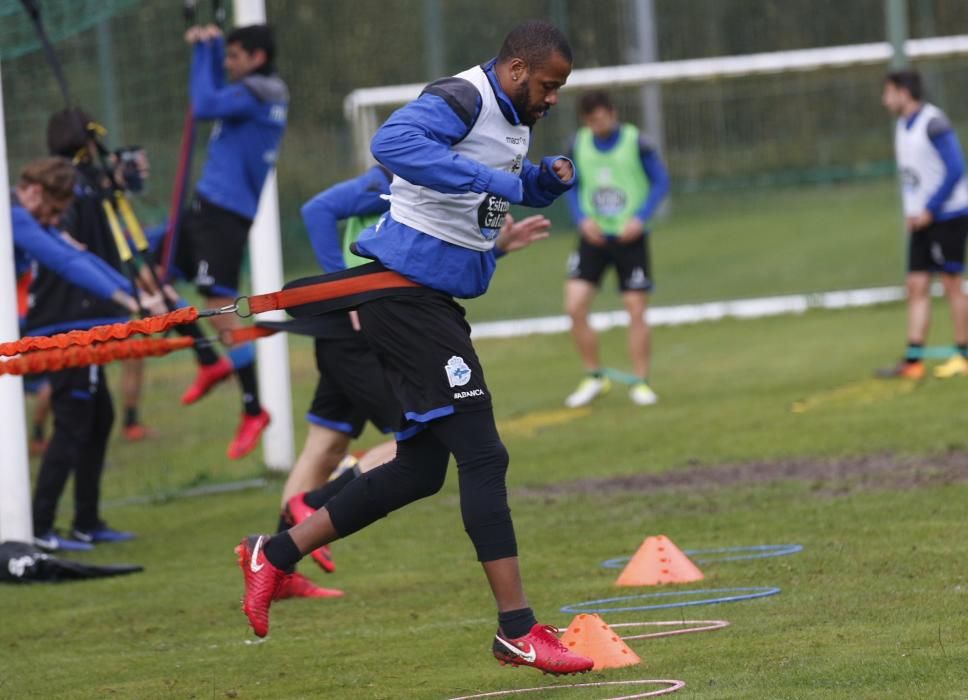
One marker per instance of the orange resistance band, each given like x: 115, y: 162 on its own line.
x: 79, y: 356
x: 235, y: 336
x: 98, y: 334
x: 322, y: 291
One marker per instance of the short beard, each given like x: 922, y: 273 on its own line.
x: 522, y: 103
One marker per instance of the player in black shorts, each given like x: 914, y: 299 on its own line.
x: 250, y: 116
x: 352, y: 388
x: 934, y: 194
x: 458, y: 154
x: 621, y: 183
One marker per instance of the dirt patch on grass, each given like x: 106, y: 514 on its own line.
x: 831, y: 476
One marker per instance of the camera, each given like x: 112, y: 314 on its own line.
x: 130, y: 170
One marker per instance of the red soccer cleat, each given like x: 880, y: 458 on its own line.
x: 295, y: 585
x: 206, y: 379
x: 541, y: 649
x: 296, y: 511
x: 248, y: 434
x: 136, y: 432
x: 262, y: 581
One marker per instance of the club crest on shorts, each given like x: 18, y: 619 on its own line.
x: 458, y: 373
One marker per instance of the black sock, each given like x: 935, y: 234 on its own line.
x: 204, y: 351
x: 320, y: 497
x: 513, y: 623
x: 281, y: 551
x: 914, y: 352
x: 962, y: 350
x: 597, y: 373
x: 38, y: 431
x: 250, y: 390
x: 283, y: 523
x: 130, y: 416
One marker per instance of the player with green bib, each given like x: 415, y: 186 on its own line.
x: 621, y: 183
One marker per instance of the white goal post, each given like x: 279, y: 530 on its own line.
x: 360, y: 106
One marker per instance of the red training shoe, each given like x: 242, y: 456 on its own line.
x: 262, y: 581
x: 541, y: 649
x: 297, y: 510
x: 136, y: 432
x: 295, y: 585
x: 248, y: 434
x: 206, y: 379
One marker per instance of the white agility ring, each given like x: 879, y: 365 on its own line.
x: 703, y: 626
x: 673, y: 686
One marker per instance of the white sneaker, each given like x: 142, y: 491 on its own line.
x: 588, y: 390
x: 642, y: 395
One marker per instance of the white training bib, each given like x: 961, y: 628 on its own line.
x: 921, y: 166
x: 469, y: 220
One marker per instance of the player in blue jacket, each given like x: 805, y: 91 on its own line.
x: 351, y: 387
x: 74, y: 288
x: 250, y: 116
x: 458, y: 154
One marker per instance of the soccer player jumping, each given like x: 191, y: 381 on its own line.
x: 458, y: 156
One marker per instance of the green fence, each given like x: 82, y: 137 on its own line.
x: 127, y: 63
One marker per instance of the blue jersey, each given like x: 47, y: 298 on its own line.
x: 251, y: 118
x: 415, y: 144
x: 32, y: 241
x: 360, y: 196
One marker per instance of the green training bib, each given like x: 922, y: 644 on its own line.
x: 612, y: 185
x: 354, y: 227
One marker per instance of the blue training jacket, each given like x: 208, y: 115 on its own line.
x: 360, y: 196
x: 414, y: 143
x: 44, y: 244
x: 251, y: 118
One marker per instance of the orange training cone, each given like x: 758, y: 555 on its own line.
x: 589, y: 636
x: 658, y: 561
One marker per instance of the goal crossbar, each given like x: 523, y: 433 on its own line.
x: 360, y: 105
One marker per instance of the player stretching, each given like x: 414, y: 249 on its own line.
x: 250, y: 116
x: 458, y: 155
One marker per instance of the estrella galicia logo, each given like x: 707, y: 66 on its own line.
x: 491, y: 215
x: 458, y: 373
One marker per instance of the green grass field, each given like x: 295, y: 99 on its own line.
x: 871, y: 478
x: 717, y: 245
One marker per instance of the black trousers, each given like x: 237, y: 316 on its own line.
x: 83, y: 416
x: 419, y: 470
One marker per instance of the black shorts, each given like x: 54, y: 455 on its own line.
x: 352, y: 388
x: 211, y: 246
x: 939, y: 248
x: 424, y: 344
x: 631, y: 260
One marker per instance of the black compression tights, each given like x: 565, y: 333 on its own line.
x: 419, y: 470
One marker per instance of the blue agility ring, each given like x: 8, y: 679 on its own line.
x: 760, y: 551
x: 740, y: 594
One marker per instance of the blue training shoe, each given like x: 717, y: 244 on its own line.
x: 102, y: 533
x: 53, y: 542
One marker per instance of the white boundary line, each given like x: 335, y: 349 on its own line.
x: 695, y: 313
